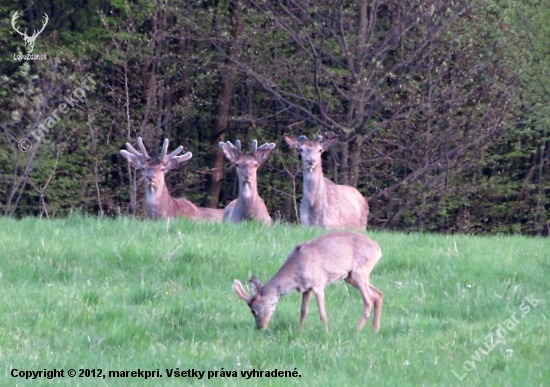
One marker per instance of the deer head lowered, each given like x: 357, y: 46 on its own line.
x: 249, y: 205
x: 324, y: 203
x: 310, y: 267
x: 29, y: 40
x: 160, y: 204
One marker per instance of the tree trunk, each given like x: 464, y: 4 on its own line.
x: 344, y: 167
x: 221, y: 121
x: 355, y: 157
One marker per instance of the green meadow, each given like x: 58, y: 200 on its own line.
x: 101, y: 295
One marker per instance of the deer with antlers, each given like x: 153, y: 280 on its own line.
x: 249, y: 205
x: 310, y: 267
x: 29, y: 40
x: 324, y: 203
x: 160, y: 204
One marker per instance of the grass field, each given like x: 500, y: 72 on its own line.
x: 125, y: 295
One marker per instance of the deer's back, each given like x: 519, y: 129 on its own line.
x: 326, y: 259
x: 183, y: 207
x: 346, y: 207
x: 214, y: 214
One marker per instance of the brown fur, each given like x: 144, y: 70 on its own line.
x: 160, y: 204
x: 313, y: 265
x: 249, y: 205
x: 324, y: 203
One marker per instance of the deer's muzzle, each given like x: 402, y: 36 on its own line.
x: 263, y: 321
x: 310, y: 165
x: 151, y: 183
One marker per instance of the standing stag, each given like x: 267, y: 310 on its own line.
x: 313, y: 265
x: 324, y: 203
x: 160, y: 204
x: 249, y: 205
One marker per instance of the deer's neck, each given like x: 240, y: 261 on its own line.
x: 248, y: 191
x: 283, y: 282
x: 315, y: 192
x: 247, y: 202
x: 160, y: 204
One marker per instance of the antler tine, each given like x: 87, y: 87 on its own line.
x: 266, y: 145
x: 238, y: 145
x: 133, y: 151
x: 45, y: 23
x: 37, y: 32
x: 142, y: 148
x: 302, y: 139
x: 254, y: 147
x: 319, y: 138
x: 164, y: 148
x: 173, y: 154
x: 13, y: 19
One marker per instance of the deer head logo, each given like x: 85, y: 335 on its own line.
x: 29, y: 40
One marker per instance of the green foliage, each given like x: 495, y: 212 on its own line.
x: 450, y: 102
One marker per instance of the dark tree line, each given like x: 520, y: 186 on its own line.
x: 440, y: 107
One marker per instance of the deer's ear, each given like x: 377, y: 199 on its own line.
x: 239, y: 289
x: 263, y: 152
x: 132, y: 159
x: 255, y: 285
x: 177, y: 160
x: 231, y: 152
x: 292, y: 142
x: 329, y: 142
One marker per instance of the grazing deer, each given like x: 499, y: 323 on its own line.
x: 160, y: 204
x: 324, y: 203
x: 313, y: 265
x: 249, y: 205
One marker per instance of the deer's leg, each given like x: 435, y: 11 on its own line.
x: 306, y: 296
x: 378, y: 297
x: 364, y: 287
x: 351, y: 281
x: 320, y: 296
x: 361, y: 282
x: 366, y: 312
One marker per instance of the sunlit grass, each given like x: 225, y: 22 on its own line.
x: 126, y: 295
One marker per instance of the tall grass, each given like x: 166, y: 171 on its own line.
x: 88, y: 293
